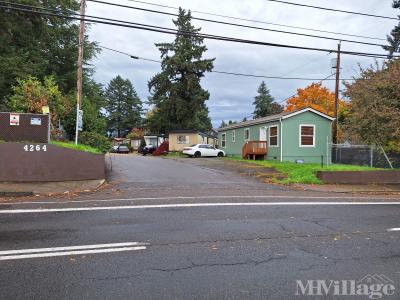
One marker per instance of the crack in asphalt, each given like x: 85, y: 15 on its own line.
x: 292, y: 236
x: 318, y: 222
x: 248, y: 262
x: 190, y: 267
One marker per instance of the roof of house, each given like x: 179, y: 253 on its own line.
x: 276, y: 117
x: 184, y: 131
x: 178, y: 131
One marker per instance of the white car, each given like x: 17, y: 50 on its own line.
x: 199, y: 150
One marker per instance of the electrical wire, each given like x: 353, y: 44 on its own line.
x: 335, y: 10
x: 238, y: 25
x: 226, y: 72
x: 322, y: 80
x: 185, y: 33
x: 258, y: 21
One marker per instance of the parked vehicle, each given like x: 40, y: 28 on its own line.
x: 149, y: 149
x: 199, y: 150
x: 120, y: 149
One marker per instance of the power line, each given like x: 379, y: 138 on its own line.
x: 191, y: 34
x: 130, y: 55
x: 260, y: 22
x: 322, y: 80
x: 335, y: 10
x: 236, y: 74
x: 238, y: 25
x: 226, y: 72
x: 301, y: 66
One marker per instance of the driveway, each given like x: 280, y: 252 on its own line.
x: 183, y: 176
x: 194, y: 229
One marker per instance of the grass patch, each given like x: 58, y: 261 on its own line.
x: 301, y: 173
x: 175, y: 154
x: 79, y: 147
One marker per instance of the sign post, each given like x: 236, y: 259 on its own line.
x: 80, y: 120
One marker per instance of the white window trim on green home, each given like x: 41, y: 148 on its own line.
x: 233, y: 136
x: 223, y: 140
x: 277, y: 136
x: 248, y: 135
x: 300, y: 135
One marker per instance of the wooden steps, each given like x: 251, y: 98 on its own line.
x: 254, y: 150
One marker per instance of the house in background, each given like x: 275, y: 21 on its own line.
x: 298, y: 136
x: 154, y: 139
x: 179, y: 139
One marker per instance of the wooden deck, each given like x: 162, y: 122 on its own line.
x: 254, y: 150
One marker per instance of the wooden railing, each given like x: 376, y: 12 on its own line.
x: 254, y: 149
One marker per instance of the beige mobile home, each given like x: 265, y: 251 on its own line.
x: 179, y: 139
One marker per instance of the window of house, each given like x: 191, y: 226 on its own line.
x: 247, y: 134
x: 307, y: 135
x: 273, y: 136
x: 223, y: 140
x: 233, y: 136
x: 182, y: 139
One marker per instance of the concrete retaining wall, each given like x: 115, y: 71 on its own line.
x: 48, y: 163
x: 360, y: 177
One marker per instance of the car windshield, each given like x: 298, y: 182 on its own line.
x: 194, y: 145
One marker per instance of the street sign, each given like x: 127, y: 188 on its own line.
x: 45, y: 110
x: 80, y: 120
x: 36, y: 121
x: 14, y: 119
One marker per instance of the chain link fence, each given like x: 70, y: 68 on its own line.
x: 364, y: 155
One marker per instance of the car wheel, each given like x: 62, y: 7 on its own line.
x: 220, y: 154
x: 197, y: 154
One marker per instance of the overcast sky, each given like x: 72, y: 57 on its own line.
x: 232, y: 97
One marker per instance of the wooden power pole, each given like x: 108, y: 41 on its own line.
x: 80, y: 70
x: 335, y: 137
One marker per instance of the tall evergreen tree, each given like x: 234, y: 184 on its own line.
x: 394, y: 37
x: 40, y: 46
x: 176, y: 92
x: 123, y: 105
x: 264, y: 103
x: 223, y: 124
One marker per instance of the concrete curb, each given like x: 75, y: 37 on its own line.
x: 350, y: 189
x: 17, y: 189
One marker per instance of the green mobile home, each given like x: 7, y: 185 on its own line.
x: 302, y: 135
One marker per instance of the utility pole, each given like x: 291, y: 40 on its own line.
x: 335, y: 137
x: 80, y: 71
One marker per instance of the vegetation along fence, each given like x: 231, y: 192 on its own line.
x: 364, y: 155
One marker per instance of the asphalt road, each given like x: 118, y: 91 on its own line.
x: 193, y: 230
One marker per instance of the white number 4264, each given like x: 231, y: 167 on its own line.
x: 37, y: 148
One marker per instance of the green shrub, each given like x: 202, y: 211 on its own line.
x: 95, y: 140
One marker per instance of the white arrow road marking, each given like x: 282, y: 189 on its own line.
x: 188, y: 205
x: 393, y: 229
x: 73, y: 250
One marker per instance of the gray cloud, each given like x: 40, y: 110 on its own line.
x: 232, y: 97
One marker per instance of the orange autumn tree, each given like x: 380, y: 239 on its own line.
x: 317, y: 97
